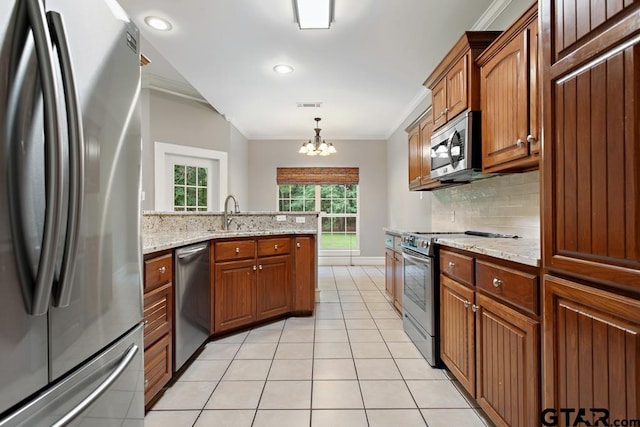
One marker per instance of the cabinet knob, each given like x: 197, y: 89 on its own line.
x: 531, y: 139
x: 452, y: 264
x: 237, y: 250
x: 162, y: 269
x: 497, y: 282
x: 475, y: 307
x: 260, y: 267
x: 298, y: 245
x: 275, y: 247
x: 146, y: 383
x: 255, y: 268
x: 519, y: 142
x: 466, y: 304
x: 146, y: 322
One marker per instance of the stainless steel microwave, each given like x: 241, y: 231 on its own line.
x: 456, y: 152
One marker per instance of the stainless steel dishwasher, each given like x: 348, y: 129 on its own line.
x: 192, y: 301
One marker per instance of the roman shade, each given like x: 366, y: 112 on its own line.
x: 317, y: 176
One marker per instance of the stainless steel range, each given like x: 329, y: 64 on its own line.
x: 421, y: 301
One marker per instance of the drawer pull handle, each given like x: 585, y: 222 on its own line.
x: 237, y: 250
x: 298, y: 245
x: 475, y: 307
x: 275, y: 247
x: 162, y: 269
x: 497, y: 282
x: 452, y: 264
x: 466, y: 304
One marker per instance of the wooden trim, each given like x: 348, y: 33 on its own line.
x: 317, y: 176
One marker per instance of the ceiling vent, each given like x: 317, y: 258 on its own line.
x: 309, y: 104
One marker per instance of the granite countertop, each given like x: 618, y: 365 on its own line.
x: 153, y: 242
x: 522, y: 250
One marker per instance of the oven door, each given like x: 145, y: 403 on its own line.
x: 418, y: 298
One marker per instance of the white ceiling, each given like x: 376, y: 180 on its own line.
x: 367, y: 70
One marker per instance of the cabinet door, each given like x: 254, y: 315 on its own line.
x: 398, y: 281
x: 426, y: 129
x: 157, y: 367
x: 439, y: 103
x: 504, y: 90
x: 507, y: 364
x: 533, y: 138
x: 158, y: 314
x: 273, y: 289
x: 389, y: 272
x: 305, y: 274
x: 234, y: 294
x: 590, y: 349
x: 415, y: 158
x: 457, y: 332
x: 591, y: 196
x: 457, y: 88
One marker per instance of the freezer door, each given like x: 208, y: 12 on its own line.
x: 107, y: 391
x: 23, y: 338
x: 106, y: 292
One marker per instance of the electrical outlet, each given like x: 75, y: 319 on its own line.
x: 300, y: 220
x: 281, y: 218
x: 452, y: 215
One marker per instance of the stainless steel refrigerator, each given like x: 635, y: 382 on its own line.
x: 71, y: 350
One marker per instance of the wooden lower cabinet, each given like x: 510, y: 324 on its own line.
x: 234, y: 294
x: 389, y: 271
x: 507, y: 364
x: 457, y: 331
x: 273, y: 286
x: 398, y: 280
x: 591, y: 344
x: 157, y: 367
x: 304, y: 272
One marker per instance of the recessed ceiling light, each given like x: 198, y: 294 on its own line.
x: 158, y: 23
x: 283, y: 69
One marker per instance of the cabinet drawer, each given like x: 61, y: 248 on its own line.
x: 458, y: 267
x: 239, y: 249
x: 158, y: 306
x: 516, y: 287
x: 157, y: 367
x: 157, y: 272
x: 275, y: 246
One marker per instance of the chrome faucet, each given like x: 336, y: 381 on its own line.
x: 226, y: 220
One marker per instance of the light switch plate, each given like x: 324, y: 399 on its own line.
x: 300, y: 220
x: 281, y: 218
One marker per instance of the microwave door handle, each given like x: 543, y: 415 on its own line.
x: 62, y: 293
x: 450, y: 146
x: 37, y: 290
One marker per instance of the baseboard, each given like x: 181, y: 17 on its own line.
x: 359, y: 260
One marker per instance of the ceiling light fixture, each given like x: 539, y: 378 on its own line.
x: 283, y: 69
x: 313, y: 14
x: 158, y: 23
x: 318, y: 147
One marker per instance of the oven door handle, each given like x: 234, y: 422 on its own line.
x: 420, y: 260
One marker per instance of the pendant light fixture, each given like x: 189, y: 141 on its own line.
x: 317, y: 147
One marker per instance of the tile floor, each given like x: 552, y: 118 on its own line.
x: 351, y: 364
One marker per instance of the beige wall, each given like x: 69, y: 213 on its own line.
x: 370, y: 156
x: 175, y: 120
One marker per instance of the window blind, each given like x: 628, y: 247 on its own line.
x: 317, y: 176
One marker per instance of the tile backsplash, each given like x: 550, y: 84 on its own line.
x: 507, y: 204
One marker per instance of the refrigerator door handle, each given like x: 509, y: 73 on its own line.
x: 62, y: 292
x: 95, y: 394
x: 37, y: 291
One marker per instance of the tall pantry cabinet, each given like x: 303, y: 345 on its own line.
x: 591, y: 205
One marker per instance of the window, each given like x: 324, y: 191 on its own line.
x: 189, y: 188
x: 338, y: 204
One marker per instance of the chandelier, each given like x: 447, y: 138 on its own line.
x: 317, y: 147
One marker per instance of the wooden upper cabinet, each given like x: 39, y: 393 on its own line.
x: 426, y: 127
x: 415, y: 158
x: 457, y: 88
x: 591, y: 340
x: 591, y: 104
x: 508, y: 97
x: 454, y: 84
x: 439, y: 103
